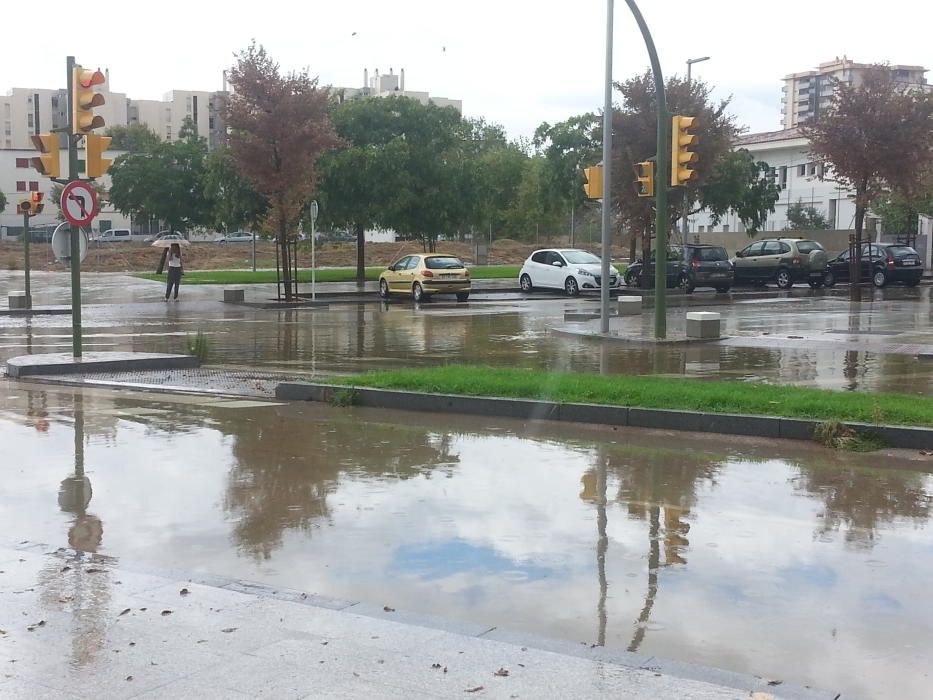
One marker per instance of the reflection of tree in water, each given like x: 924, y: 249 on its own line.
x: 659, y: 486
x: 285, y: 471
x: 864, y: 500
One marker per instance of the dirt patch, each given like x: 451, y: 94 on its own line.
x: 138, y: 257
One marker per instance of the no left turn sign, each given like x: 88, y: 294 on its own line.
x: 79, y: 203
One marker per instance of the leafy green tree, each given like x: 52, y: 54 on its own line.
x: 742, y: 185
x: 568, y: 147
x: 877, y: 137
x: 164, y: 182
x: 2, y: 202
x: 234, y: 202
x: 279, y: 128
x: 135, y: 138
x: 803, y: 217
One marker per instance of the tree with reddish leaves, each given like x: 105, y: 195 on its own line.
x: 279, y: 126
x: 877, y: 137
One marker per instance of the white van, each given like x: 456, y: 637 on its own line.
x: 119, y: 235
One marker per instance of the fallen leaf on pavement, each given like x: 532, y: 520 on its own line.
x: 94, y: 571
x: 435, y: 665
x: 388, y: 609
x: 775, y: 682
x: 184, y: 591
x: 40, y: 623
x: 124, y: 612
x: 65, y: 569
x: 502, y: 672
x: 129, y: 678
x: 474, y: 690
x: 166, y: 612
x: 229, y: 630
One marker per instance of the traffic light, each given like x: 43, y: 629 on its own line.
x: 594, y: 182
x: 95, y: 164
x: 49, y: 163
x: 32, y: 205
x: 84, y: 100
x: 644, y: 178
x: 681, y: 155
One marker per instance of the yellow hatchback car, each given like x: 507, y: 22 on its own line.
x: 422, y: 276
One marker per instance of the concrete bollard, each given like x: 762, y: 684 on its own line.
x: 235, y: 295
x: 17, y: 300
x: 629, y: 306
x: 704, y: 324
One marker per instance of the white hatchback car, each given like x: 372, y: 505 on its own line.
x: 569, y: 269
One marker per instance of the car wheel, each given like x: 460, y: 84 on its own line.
x: 463, y: 296
x: 816, y: 284
x: 783, y: 279
x: 722, y: 290
x: 571, y: 287
x: 879, y: 278
x: 383, y: 289
x: 687, y: 284
x: 829, y: 279
x: 417, y: 293
x: 525, y: 283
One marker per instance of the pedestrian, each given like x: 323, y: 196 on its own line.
x: 175, y: 270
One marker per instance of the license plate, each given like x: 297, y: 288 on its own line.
x: 909, y: 262
x: 719, y: 275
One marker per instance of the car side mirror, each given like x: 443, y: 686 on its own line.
x: 738, y: 254
x: 391, y: 268
x: 557, y: 263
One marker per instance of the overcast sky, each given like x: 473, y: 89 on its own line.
x: 515, y: 62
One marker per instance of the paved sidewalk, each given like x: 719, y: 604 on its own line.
x: 80, y: 625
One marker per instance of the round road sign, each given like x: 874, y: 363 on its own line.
x: 79, y: 203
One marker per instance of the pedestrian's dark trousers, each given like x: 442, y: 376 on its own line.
x: 174, y: 277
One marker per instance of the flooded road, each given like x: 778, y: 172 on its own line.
x: 780, y: 559
x: 808, y: 338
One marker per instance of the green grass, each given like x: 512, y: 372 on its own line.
x: 330, y: 274
x: 657, y: 392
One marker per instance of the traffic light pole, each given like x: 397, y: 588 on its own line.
x: 607, y: 177
x: 75, y: 260
x: 662, y: 215
x: 26, y: 267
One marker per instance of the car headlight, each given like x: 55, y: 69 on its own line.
x: 585, y: 273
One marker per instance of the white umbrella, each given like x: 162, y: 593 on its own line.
x: 169, y: 242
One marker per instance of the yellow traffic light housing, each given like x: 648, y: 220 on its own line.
x: 594, y: 182
x: 644, y: 178
x: 681, y: 155
x: 95, y: 164
x: 49, y: 163
x: 37, y: 205
x: 84, y: 100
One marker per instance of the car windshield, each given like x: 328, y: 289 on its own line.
x: 710, y: 254
x: 808, y: 246
x: 580, y: 257
x: 901, y: 251
x: 446, y: 262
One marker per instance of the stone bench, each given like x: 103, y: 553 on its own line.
x: 629, y: 306
x: 235, y: 294
x: 18, y: 300
x: 704, y: 324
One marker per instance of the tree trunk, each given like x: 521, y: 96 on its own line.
x: 855, y: 261
x: 360, y: 255
x: 286, y: 258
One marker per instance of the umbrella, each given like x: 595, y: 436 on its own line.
x: 169, y: 242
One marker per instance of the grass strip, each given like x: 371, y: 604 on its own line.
x: 657, y: 392
x: 330, y: 274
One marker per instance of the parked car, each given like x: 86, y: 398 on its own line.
x: 422, y: 276
x: 115, y: 235
x: 238, y: 237
x: 883, y: 264
x: 163, y: 236
x: 782, y: 260
x: 688, y: 267
x: 569, y: 269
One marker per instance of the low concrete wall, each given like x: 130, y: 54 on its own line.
x: 664, y: 419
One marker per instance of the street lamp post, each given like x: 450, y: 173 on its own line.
x: 684, y: 223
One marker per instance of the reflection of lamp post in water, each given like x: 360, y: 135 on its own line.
x: 594, y: 491
x: 75, y: 493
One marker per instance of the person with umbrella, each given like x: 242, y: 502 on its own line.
x: 175, y: 271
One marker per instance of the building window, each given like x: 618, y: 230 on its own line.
x: 33, y: 186
x: 783, y: 177
x: 22, y: 162
x: 701, y: 229
x: 812, y: 168
x: 20, y: 185
x: 725, y: 228
x: 801, y: 170
x: 29, y: 121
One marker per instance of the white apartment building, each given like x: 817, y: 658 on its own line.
x: 807, y: 94
x: 18, y: 179
x: 798, y: 175
x: 387, y: 85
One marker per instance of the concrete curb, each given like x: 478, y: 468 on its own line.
x: 906, y: 437
x: 56, y: 311
x: 65, y: 363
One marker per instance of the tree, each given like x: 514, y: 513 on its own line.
x: 234, y: 202
x: 877, y: 137
x: 135, y: 138
x: 726, y: 180
x: 568, y: 147
x: 2, y: 202
x: 803, y: 217
x: 164, y: 181
x: 279, y: 127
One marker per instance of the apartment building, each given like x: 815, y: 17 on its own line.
x: 391, y: 83
x: 806, y: 95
